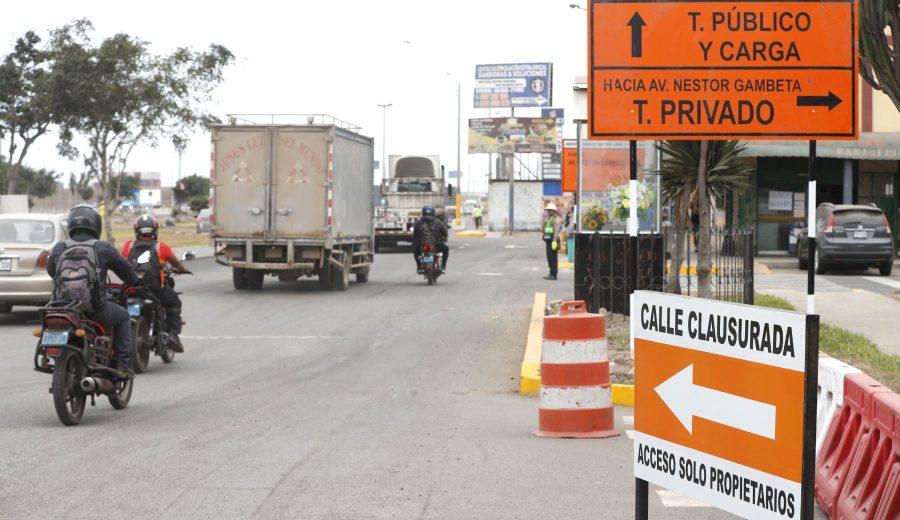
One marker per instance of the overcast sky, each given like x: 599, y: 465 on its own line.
x: 338, y: 58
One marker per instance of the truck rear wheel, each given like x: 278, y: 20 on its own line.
x: 239, y: 277
x: 340, y: 278
x: 255, y: 279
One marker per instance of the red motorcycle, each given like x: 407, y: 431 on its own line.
x: 78, y: 352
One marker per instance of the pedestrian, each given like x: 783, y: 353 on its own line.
x: 552, y: 227
x: 476, y: 214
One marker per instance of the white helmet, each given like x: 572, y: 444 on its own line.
x: 551, y: 207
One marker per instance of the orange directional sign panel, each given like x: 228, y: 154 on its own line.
x: 723, y: 70
x: 719, y: 396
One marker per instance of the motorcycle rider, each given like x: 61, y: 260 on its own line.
x: 146, y: 232
x: 85, y: 224
x: 437, y: 229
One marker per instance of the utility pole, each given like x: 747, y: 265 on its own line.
x: 384, y: 107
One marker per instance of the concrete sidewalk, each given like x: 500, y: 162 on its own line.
x: 857, y: 310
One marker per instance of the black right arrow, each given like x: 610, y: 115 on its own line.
x: 637, y: 24
x: 829, y: 101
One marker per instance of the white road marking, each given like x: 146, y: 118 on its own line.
x: 673, y: 499
x: 883, y: 280
x: 254, y: 338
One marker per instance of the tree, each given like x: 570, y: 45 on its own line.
x: 685, y: 179
x: 128, y: 96
x: 38, y: 183
x: 879, y: 57
x: 198, y: 202
x: 25, y: 104
x: 190, y: 187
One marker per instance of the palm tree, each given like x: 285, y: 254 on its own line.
x: 687, y: 179
x: 879, y: 58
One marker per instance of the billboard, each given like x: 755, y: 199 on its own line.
x: 514, y: 85
x: 605, y: 165
x: 512, y: 135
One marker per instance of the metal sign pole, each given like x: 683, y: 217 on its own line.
x: 641, y: 487
x: 808, y: 475
x: 811, y: 232
x: 578, y: 124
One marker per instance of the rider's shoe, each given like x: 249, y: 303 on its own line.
x: 175, y: 343
x: 123, y: 371
x: 420, y: 271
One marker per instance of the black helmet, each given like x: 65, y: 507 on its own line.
x: 146, y: 226
x: 428, y: 210
x: 85, y: 218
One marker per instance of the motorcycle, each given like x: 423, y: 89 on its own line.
x: 148, y: 322
x: 78, y: 353
x: 431, y: 262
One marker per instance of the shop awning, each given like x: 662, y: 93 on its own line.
x: 876, y: 146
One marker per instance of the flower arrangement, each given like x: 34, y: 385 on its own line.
x: 594, y: 218
x: 622, y: 202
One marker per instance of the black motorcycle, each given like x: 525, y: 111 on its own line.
x: 78, y: 352
x: 148, y: 323
x: 431, y: 262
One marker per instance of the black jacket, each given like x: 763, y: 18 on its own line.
x: 440, y: 230
x: 107, y: 258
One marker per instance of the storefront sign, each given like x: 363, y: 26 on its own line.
x: 736, y: 70
x: 781, y: 201
x: 719, y: 402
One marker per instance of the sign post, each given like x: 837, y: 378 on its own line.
x: 715, y: 71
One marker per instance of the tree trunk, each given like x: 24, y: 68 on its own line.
x: 104, y: 182
x: 704, y: 260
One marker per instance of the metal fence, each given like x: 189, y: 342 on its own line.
x: 731, y: 277
x: 606, y: 270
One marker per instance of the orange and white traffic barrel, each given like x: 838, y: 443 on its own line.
x: 575, y: 396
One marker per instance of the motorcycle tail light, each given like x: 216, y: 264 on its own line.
x: 37, y: 333
x: 130, y: 290
x: 52, y: 352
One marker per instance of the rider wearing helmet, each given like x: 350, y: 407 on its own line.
x: 149, y: 256
x: 430, y: 227
x: 85, y: 225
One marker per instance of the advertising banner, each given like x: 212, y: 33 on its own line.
x: 513, y: 85
x: 512, y: 135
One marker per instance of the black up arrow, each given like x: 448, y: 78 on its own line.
x: 829, y: 101
x: 637, y: 24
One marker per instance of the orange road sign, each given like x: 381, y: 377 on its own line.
x: 604, y: 165
x: 719, y: 402
x: 723, y: 70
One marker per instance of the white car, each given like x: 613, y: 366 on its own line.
x: 468, y: 206
x: 25, y: 243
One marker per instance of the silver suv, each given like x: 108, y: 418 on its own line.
x: 849, y: 235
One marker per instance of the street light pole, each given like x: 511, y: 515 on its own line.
x: 384, y: 108
x: 458, y: 144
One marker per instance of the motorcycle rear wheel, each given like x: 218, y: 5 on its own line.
x: 140, y: 359
x: 67, y: 399
x: 429, y: 274
x: 119, y: 398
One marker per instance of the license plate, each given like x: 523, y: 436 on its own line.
x: 428, y: 259
x: 5, y: 264
x: 859, y: 234
x: 55, y: 337
x: 134, y: 309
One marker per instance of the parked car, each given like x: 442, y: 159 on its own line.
x: 25, y: 243
x: 849, y: 235
x: 204, y: 220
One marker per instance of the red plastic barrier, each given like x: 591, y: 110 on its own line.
x: 848, y: 436
x: 873, y: 462
x: 887, y: 419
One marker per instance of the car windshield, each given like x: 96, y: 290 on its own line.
x: 857, y: 218
x: 26, y: 232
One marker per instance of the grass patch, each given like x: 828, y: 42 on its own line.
x: 849, y: 347
x: 182, y: 234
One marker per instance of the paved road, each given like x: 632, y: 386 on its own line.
x: 391, y: 400
x: 785, y: 275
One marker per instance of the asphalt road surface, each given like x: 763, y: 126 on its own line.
x: 390, y: 400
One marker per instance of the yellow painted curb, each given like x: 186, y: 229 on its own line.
x: 471, y: 233
x: 763, y: 267
x: 563, y: 265
x: 530, y: 382
x: 623, y: 395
